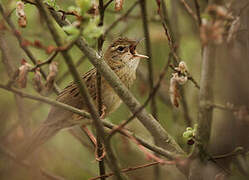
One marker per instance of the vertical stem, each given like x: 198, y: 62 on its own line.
x: 206, y: 95
x: 150, y: 69
x: 99, y: 94
x: 10, y: 68
x: 149, y: 53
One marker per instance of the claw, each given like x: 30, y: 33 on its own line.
x: 103, y: 109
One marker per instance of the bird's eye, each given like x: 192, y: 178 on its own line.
x: 120, y: 48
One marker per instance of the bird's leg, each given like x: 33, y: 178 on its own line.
x: 94, y: 141
x: 103, y: 109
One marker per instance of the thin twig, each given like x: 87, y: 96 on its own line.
x: 149, y: 53
x: 100, y: 148
x: 198, y: 13
x: 189, y: 10
x: 107, y: 31
x: 131, y: 169
x: 47, y: 101
x: 107, y: 4
x: 47, y: 61
x: 65, y: 74
x: 228, y: 107
x: 236, y: 151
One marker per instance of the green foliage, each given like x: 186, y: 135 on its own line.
x: 52, y: 3
x: 74, y: 9
x: 84, y: 5
x: 72, y: 30
x: 190, y: 133
x: 92, y: 30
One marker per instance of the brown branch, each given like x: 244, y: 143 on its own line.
x: 198, y: 13
x: 149, y: 53
x: 100, y: 147
x: 107, y: 4
x: 28, y: 165
x: 131, y: 169
x: 65, y: 74
x: 206, y: 95
x: 228, y: 107
x: 189, y: 10
x: 107, y: 31
x: 236, y: 151
x: 47, y: 101
x: 47, y: 61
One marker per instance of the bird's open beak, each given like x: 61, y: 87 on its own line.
x: 133, y: 50
x: 140, y: 55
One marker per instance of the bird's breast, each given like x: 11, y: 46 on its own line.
x: 110, y: 99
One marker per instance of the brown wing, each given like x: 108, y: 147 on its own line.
x: 71, y: 96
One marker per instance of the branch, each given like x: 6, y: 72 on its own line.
x: 189, y: 10
x: 206, y: 94
x: 82, y: 87
x: 107, y: 4
x: 86, y: 115
x: 146, y: 119
x: 100, y: 148
x: 198, y: 14
x: 47, y: 101
x: 120, y: 18
x: 47, y: 61
x: 149, y: 53
x: 65, y: 74
x: 131, y: 169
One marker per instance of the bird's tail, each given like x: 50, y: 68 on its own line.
x: 37, y: 138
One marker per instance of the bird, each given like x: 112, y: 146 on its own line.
x: 123, y: 59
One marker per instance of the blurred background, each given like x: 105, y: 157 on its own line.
x: 71, y: 158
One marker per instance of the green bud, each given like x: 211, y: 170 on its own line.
x: 189, y: 129
x: 71, y: 30
x: 187, y: 134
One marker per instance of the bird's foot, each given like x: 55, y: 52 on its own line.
x: 98, y: 156
x: 94, y: 141
x: 103, y: 109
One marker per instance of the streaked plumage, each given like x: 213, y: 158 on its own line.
x: 122, y: 59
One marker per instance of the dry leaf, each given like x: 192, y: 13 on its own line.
x: 53, y: 70
x: 22, y: 20
x: 119, y: 5
x: 23, y: 73
x: 233, y: 29
x: 37, y: 81
x: 173, y: 90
